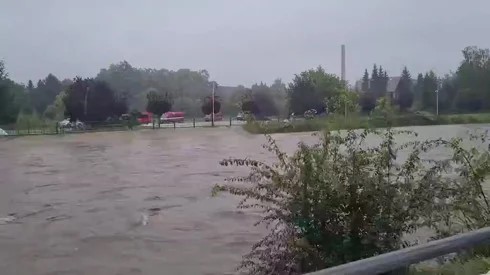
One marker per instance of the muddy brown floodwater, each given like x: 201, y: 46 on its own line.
x: 129, y: 202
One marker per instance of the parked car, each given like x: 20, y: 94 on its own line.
x: 240, y: 116
x: 145, y: 118
x: 3, y: 133
x: 79, y: 125
x: 68, y: 125
x: 217, y: 117
x: 65, y: 123
x: 310, y: 114
x: 173, y: 117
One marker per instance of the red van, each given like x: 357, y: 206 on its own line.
x: 173, y: 117
x: 145, y: 118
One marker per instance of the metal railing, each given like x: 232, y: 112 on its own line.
x: 403, y: 258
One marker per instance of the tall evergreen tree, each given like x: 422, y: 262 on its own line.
x: 430, y: 84
x: 374, y: 79
x: 3, y: 71
x: 365, y: 82
x: 382, y: 82
x: 30, y: 86
x: 403, y: 93
x: 385, y: 82
x: 418, y: 91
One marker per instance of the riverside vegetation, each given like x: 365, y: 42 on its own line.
x: 346, y: 198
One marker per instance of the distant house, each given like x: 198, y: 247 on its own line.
x: 393, y: 82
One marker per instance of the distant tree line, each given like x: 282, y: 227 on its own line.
x: 11, y: 97
x: 465, y: 90
x: 123, y: 88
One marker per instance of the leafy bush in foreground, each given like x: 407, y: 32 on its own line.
x: 343, y: 198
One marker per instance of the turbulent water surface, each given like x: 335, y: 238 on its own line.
x: 130, y: 202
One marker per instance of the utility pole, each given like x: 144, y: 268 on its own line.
x: 342, y: 75
x: 212, y: 113
x: 342, y: 63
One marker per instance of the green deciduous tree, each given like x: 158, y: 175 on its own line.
x: 249, y: 105
x: 367, y: 102
x: 346, y: 102
x: 267, y: 100
x: 186, y: 87
x: 314, y: 89
x: 56, y: 110
x: 91, y: 100
x: 264, y: 100
x: 474, y: 80
x: 158, y: 103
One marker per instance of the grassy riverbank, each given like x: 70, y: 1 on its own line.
x: 471, y: 267
x: 356, y: 122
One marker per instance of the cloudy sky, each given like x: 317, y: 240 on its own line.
x: 238, y: 42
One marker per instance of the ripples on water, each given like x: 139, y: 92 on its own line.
x: 129, y: 202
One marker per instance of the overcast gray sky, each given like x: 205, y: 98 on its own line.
x: 238, y: 42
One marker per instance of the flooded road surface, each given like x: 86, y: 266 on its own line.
x: 129, y: 202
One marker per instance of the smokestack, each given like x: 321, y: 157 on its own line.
x: 342, y: 76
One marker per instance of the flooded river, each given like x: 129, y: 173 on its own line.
x: 129, y: 202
